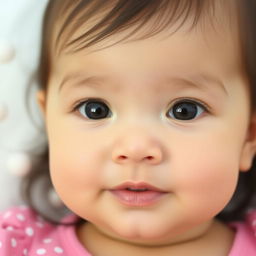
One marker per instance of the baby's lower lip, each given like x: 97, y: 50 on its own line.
x: 138, y: 199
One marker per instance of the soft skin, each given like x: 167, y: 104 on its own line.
x: 197, y: 161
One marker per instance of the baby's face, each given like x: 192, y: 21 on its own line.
x: 172, y: 112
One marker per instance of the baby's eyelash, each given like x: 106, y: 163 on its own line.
x: 78, y: 104
x: 181, y: 109
x: 193, y: 100
x: 202, y: 104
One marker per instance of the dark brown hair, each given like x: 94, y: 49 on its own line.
x: 116, y: 16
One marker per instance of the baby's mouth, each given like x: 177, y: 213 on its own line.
x: 137, y: 189
x: 139, y: 186
x: 137, y: 194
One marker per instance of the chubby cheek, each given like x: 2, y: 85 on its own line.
x: 208, y: 182
x: 74, y: 169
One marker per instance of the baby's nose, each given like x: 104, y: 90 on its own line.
x: 134, y: 148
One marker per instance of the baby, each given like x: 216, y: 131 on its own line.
x: 149, y: 114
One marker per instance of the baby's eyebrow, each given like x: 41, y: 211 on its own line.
x: 83, y: 80
x: 200, y: 81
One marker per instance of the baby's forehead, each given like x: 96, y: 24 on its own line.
x: 102, y: 23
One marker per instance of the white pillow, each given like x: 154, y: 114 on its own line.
x: 20, y: 31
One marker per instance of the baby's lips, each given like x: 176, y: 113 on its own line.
x: 138, y: 186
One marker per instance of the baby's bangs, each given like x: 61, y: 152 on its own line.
x: 101, y: 19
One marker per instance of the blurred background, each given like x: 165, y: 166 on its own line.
x: 20, y: 31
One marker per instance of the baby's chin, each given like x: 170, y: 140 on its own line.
x: 150, y: 236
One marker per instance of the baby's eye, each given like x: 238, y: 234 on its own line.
x: 186, y: 110
x: 93, y: 109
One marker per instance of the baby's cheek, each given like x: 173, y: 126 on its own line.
x: 208, y: 186
x: 77, y: 184
x: 73, y: 169
x: 65, y: 170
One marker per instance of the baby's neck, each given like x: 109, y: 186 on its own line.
x: 216, y: 241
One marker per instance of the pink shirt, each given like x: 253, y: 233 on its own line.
x: 23, y: 232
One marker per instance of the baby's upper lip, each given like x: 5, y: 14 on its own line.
x: 138, y: 185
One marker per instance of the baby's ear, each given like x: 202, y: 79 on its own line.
x: 41, y: 101
x: 249, y: 148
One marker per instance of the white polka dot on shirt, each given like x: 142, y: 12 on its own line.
x: 14, y: 242
x: 58, y: 250
x: 7, y: 215
x: 25, y: 252
x: 47, y: 240
x: 1, y: 244
x: 20, y: 217
x: 29, y: 231
x: 9, y: 228
x: 41, y: 251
